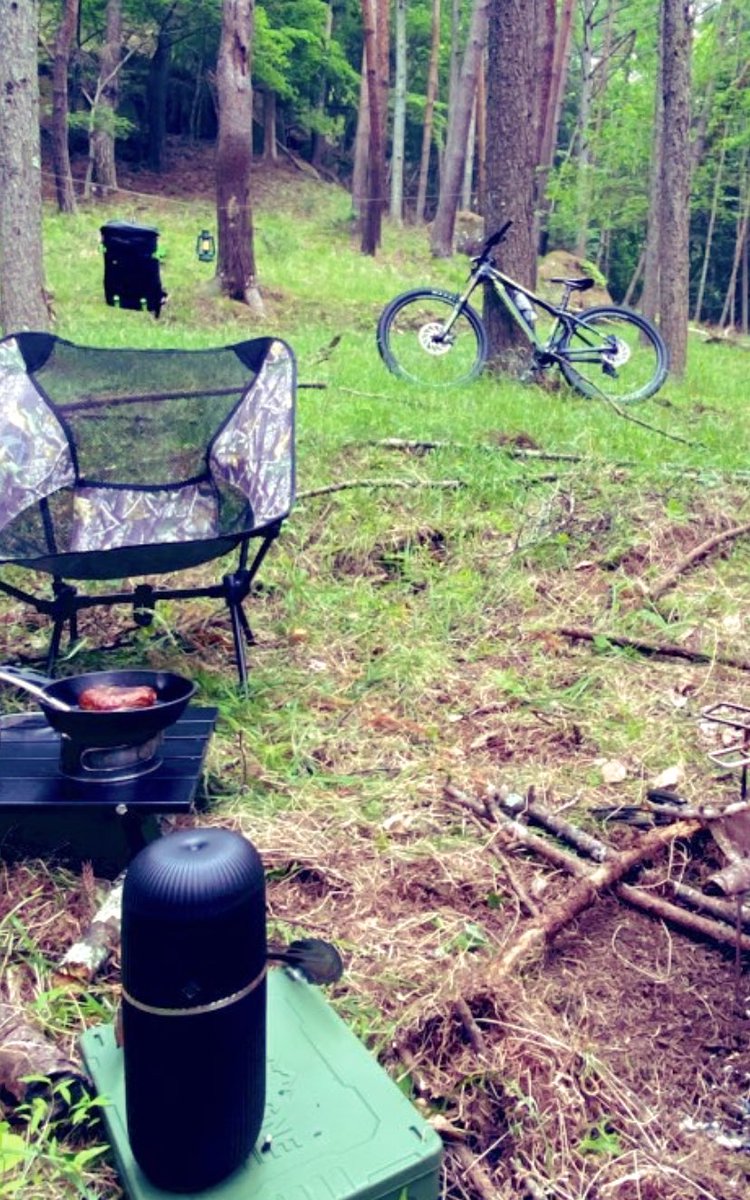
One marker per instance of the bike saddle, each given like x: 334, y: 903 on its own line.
x: 576, y: 285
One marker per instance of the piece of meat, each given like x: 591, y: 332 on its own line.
x: 105, y: 698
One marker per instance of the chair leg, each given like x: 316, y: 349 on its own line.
x: 239, y: 621
x: 63, y: 610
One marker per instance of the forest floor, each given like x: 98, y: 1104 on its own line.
x: 565, y: 1042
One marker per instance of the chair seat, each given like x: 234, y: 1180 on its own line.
x: 121, y: 462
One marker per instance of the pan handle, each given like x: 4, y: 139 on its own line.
x: 31, y: 682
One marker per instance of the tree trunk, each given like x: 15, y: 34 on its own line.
x: 235, y: 266
x: 441, y: 241
x: 743, y: 221
x: 399, y: 117
x: 551, y: 114
x: 512, y: 145
x: 23, y: 303
x: 711, y: 226
x: 361, y: 145
x: 382, y: 37
x: 103, y: 138
x: 66, y: 198
x: 318, y: 139
x: 429, y: 111
x: 649, y: 302
x: 482, y: 134
x: 270, y: 153
x: 674, y: 238
x: 467, y: 186
x: 583, y: 175
x: 157, y: 90
x: 372, y: 209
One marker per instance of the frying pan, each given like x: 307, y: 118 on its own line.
x: 58, y: 700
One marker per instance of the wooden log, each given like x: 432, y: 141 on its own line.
x: 91, y: 952
x: 25, y: 1051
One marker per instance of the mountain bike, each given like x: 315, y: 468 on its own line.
x: 436, y: 338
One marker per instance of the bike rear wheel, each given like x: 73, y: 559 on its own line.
x: 613, y: 354
x: 414, y: 345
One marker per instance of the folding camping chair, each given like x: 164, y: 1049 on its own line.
x: 118, y: 463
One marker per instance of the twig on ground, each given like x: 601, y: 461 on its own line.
x: 670, y: 649
x: 394, y: 443
x: 698, y: 553
x: 627, y: 416
x: 380, y: 483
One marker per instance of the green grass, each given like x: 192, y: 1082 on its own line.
x: 411, y: 636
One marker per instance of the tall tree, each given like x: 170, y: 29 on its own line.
x: 674, y: 236
x: 23, y: 303
x: 551, y: 109
x: 429, y: 110
x: 512, y: 151
x: 102, y: 149
x: 399, y: 116
x: 441, y: 240
x: 235, y: 266
x: 361, y: 145
x: 157, y: 90
x: 372, y: 209
x: 66, y: 198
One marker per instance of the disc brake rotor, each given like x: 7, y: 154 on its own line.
x: 432, y: 340
x: 618, y: 354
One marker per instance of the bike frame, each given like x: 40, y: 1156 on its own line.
x: 503, y: 285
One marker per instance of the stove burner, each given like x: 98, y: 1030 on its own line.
x: 109, y: 764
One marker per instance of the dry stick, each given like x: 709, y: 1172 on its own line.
x: 89, y: 954
x: 626, y: 416
x: 394, y: 443
x: 471, y: 1029
x: 703, y: 926
x: 476, y: 1173
x: 669, y: 579
x: 590, y: 884
x: 380, y: 483
x: 646, y: 901
x: 723, y: 910
x: 580, y: 633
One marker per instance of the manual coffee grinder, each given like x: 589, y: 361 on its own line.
x: 194, y: 1006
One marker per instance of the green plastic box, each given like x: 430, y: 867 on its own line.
x: 336, y: 1126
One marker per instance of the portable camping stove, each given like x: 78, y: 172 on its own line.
x: 78, y: 803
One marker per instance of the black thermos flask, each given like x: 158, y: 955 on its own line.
x: 194, y: 1006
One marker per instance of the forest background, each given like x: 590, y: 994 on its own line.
x: 617, y: 129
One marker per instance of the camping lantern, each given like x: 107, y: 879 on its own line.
x: 205, y: 247
x: 194, y: 1006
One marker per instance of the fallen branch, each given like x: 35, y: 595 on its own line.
x: 539, y: 934
x: 723, y: 910
x: 89, y: 954
x: 590, y: 883
x: 380, y: 483
x: 669, y: 649
x: 627, y: 416
x: 394, y: 443
x: 696, y: 555
x: 646, y: 901
x: 24, y: 1051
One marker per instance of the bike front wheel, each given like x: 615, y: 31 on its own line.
x: 419, y: 340
x: 613, y: 354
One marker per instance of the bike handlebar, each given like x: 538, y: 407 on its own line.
x: 493, y: 240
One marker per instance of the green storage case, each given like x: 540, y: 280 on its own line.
x: 336, y: 1127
